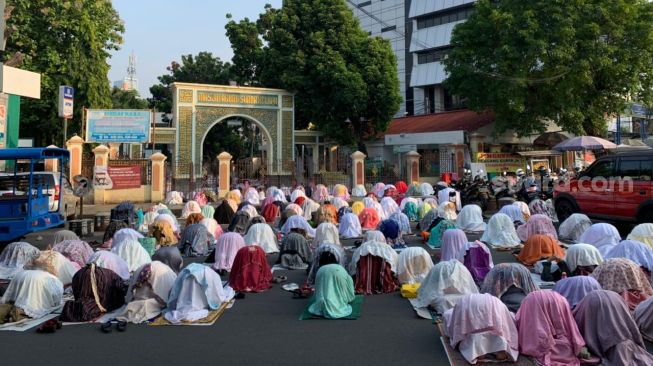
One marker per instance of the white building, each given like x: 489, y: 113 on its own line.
x: 387, y: 19
x: 420, y: 34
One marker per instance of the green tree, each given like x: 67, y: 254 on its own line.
x: 203, y: 68
x: 570, y: 61
x: 317, y: 49
x: 127, y: 99
x: 68, y: 42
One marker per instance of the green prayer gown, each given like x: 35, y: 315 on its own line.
x: 435, y: 239
x: 334, y: 290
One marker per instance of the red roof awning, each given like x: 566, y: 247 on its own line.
x: 464, y: 120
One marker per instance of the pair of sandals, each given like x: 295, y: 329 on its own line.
x: 50, y: 326
x: 280, y: 279
x: 121, y: 326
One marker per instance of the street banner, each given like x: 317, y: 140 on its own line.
x: 127, y: 126
x: 125, y: 177
x: 500, y: 162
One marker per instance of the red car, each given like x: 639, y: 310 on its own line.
x: 615, y: 188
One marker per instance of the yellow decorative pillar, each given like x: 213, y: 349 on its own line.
x: 412, y: 167
x: 224, y: 173
x: 101, y: 165
x: 76, y: 147
x: 51, y: 165
x: 158, y: 177
x: 358, y: 168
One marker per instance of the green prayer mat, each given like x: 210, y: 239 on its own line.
x: 355, y: 309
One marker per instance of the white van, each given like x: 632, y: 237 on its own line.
x: 49, y: 181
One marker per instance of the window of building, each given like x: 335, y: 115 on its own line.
x: 444, y: 17
x: 434, y: 55
x: 453, y: 102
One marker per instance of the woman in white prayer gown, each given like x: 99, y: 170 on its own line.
x: 445, y: 284
x: 374, y: 235
x: 572, y: 228
x: 14, y: 256
x: 109, y: 260
x: 402, y: 220
x: 197, y: 290
x: 298, y: 192
x: 426, y: 189
x: 339, y: 203
x: 298, y: 222
x: 377, y: 249
x: 642, y: 233
x: 413, y: 264
x: 133, y: 253
x: 148, y: 293
x: 189, y: 208
x: 326, y: 232
x: 603, y: 236
x: 359, y: 191
x: 406, y: 200
x: 54, y: 263
x: 389, y: 207
x: 470, y: 219
x: 37, y: 293
x: 309, y: 207
x: 582, y: 255
x: 124, y: 234
x: 501, y: 232
x: 169, y: 219
x: 252, y: 196
x: 263, y: 236
x: 350, y: 226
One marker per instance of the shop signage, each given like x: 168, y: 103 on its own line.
x: 500, y: 162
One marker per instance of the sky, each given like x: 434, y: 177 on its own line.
x: 160, y: 31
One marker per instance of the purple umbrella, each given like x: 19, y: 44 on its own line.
x: 584, y: 143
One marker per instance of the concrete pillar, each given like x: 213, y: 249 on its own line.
x: 158, y: 177
x: 114, y: 149
x: 358, y: 168
x: 100, y: 173
x: 459, y: 159
x: 476, y: 142
x: 412, y: 167
x: 101, y: 153
x: 224, y: 173
x: 76, y: 147
x: 51, y: 165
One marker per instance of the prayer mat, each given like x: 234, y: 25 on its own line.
x: 424, y: 313
x: 355, y: 310
x: 210, y: 319
x: 456, y: 358
x: 26, y: 324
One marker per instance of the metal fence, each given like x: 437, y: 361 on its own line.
x: 380, y: 171
x: 429, y: 164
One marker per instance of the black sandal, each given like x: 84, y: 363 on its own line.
x: 121, y: 326
x: 106, y: 327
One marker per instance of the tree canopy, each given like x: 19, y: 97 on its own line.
x: 317, y: 49
x: 570, y: 61
x: 68, y: 42
x: 203, y: 68
x: 127, y: 99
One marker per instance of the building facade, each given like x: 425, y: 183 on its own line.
x: 420, y: 34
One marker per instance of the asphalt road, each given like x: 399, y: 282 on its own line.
x: 262, y: 329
